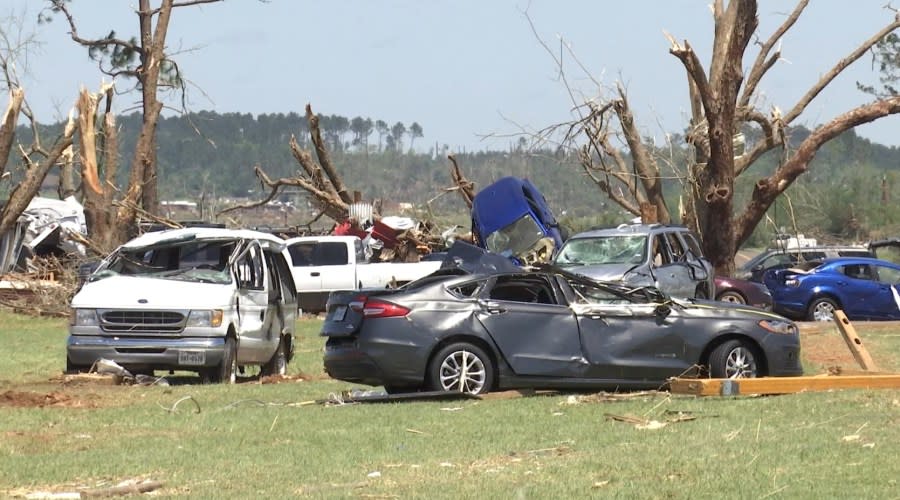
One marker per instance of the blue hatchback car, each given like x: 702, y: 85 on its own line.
x: 510, y: 217
x: 864, y: 288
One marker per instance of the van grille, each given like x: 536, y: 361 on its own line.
x: 142, y: 321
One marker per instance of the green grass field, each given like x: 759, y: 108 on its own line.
x: 265, y: 440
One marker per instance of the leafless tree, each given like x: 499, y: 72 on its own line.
x: 723, y: 102
x: 15, y: 46
x: 145, y: 59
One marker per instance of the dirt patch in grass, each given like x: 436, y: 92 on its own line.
x: 27, y: 399
x: 824, y: 346
x: 826, y: 349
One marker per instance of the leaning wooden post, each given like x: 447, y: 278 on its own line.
x: 859, y: 351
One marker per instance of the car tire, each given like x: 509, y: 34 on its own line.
x: 700, y: 293
x: 461, y: 367
x: 732, y: 297
x: 226, y: 371
x: 733, y: 359
x: 821, y: 309
x: 277, y: 365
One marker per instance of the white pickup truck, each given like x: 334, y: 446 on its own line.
x: 322, y: 264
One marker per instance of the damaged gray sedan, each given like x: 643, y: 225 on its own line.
x: 545, y: 329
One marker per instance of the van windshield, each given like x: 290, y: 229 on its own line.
x: 614, y: 249
x: 199, y: 261
x: 515, y: 239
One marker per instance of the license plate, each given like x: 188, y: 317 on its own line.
x: 191, y: 358
x: 340, y: 312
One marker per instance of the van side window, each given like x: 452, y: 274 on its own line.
x: 285, y: 278
x: 250, y: 269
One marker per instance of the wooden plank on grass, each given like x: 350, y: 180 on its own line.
x: 859, y: 351
x: 780, y: 385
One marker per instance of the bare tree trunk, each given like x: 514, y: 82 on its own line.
x: 8, y: 126
x: 734, y: 26
x: 29, y: 187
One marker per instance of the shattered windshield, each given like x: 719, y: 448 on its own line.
x: 614, y: 249
x: 516, y: 238
x: 199, y: 261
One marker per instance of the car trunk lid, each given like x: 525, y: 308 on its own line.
x: 347, y: 309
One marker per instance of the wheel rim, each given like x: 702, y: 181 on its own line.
x: 281, y: 361
x: 232, y: 376
x: 462, y: 371
x: 732, y: 298
x: 823, y: 311
x: 740, y: 363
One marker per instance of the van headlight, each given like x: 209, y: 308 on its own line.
x: 83, y: 317
x: 208, y: 318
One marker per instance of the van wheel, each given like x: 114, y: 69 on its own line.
x: 277, y: 365
x: 701, y: 293
x: 72, y: 368
x: 226, y: 371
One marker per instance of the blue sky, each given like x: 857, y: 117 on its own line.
x: 461, y: 68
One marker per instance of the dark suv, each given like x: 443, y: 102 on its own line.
x: 783, y: 258
x: 668, y: 257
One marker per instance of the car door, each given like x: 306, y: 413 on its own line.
x: 536, y: 334
x: 625, y: 339
x: 331, y: 260
x: 249, y: 267
x: 862, y: 296
x: 672, y: 276
x: 305, y: 277
x: 631, y: 342
x: 888, y: 299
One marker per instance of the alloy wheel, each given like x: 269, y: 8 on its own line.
x: 740, y: 363
x: 462, y: 371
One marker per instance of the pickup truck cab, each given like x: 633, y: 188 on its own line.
x: 208, y: 300
x: 322, y: 264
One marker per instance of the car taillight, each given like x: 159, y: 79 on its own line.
x: 374, y: 308
x: 358, y: 303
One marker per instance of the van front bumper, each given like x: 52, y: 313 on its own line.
x: 142, y: 353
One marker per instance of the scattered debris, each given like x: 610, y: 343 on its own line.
x: 173, y: 408
x: 604, y: 397
x: 123, y: 488
x: 358, y: 396
x: 649, y: 424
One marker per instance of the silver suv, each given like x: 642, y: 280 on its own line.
x: 667, y: 257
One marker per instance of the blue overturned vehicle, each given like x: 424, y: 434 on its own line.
x: 511, y: 218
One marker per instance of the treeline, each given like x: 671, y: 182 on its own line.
x: 211, y: 156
